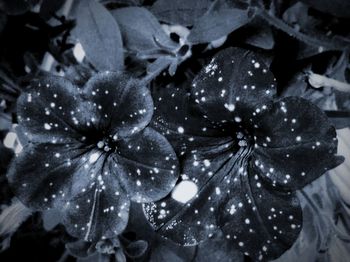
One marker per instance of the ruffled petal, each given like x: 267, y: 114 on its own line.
x: 233, y: 86
x: 188, y: 215
x: 118, y: 104
x: 101, y: 211
x: 226, y: 194
x: 47, y: 175
x: 295, y: 144
x: 51, y: 111
x: 81, y: 182
x: 147, y: 164
x: 260, y: 222
x: 185, y: 127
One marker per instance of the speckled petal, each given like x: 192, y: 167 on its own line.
x: 101, y: 211
x: 233, y: 86
x: 80, y: 182
x: 260, y: 222
x: 147, y: 164
x: 51, y: 110
x: 231, y: 200
x: 119, y: 104
x: 295, y: 144
x: 188, y: 215
x: 45, y: 175
x: 185, y: 127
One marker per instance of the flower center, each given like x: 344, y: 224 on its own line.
x: 108, y: 144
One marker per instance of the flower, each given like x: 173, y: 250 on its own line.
x: 90, y: 152
x: 243, y: 155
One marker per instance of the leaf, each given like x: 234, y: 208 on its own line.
x: 6, y: 156
x: 324, y: 98
x: 48, y: 8
x: 51, y: 218
x: 159, y: 249
x: 100, y: 36
x: 80, y: 249
x: 260, y: 35
x: 143, y: 34
x: 5, y: 121
x: 10, y: 220
x: 16, y: 7
x: 217, y: 248
x: 325, y: 234
x: 337, y: 8
x: 137, y: 248
x: 340, y: 119
x: 219, y: 21
x: 180, y: 12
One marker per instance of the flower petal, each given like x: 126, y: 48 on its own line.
x: 51, y: 110
x: 147, y: 164
x: 233, y: 85
x: 43, y: 175
x: 118, y: 103
x: 81, y: 182
x: 101, y: 211
x: 185, y: 215
x: 185, y: 127
x: 269, y: 221
x: 296, y: 144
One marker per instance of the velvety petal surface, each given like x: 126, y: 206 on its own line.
x: 147, y: 164
x: 295, y: 144
x: 100, y: 210
x: 51, y: 110
x: 118, y: 104
x: 90, y: 152
x: 233, y: 86
x: 225, y: 196
x: 177, y: 118
x: 217, y: 191
x: 81, y: 182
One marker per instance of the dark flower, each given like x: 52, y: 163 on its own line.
x: 91, y: 152
x: 242, y: 157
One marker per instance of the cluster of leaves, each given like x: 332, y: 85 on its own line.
x: 164, y: 96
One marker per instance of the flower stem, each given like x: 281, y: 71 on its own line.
x: 318, y: 81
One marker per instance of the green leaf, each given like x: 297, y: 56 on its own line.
x: 143, y: 33
x: 100, y: 36
x: 219, y: 21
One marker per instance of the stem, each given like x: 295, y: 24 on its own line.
x: 163, y: 63
x: 318, y: 81
x: 334, y: 44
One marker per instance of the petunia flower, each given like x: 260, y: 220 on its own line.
x: 90, y: 152
x: 243, y: 156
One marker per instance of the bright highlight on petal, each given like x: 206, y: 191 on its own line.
x: 184, y: 191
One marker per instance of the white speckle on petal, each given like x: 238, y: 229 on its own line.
x: 180, y: 129
x: 184, y: 191
x: 230, y: 107
x: 93, y: 157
